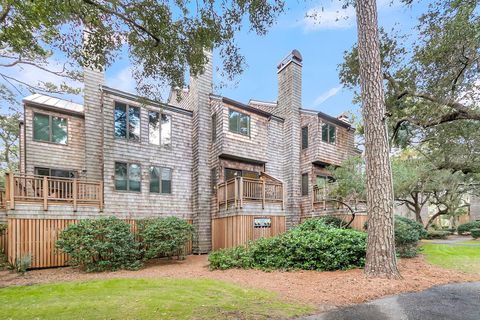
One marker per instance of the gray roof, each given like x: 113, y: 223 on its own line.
x: 54, y: 103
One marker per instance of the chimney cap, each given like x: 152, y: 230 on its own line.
x: 294, y: 56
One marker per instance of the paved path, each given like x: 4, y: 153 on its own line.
x: 453, y: 302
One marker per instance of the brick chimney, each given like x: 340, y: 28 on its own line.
x: 93, y: 79
x: 289, y: 105
x: 200, y: 89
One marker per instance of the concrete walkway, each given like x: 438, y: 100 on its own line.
x: 453, y: 302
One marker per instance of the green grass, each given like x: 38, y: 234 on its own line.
x: 462, y: 258
x: 144, y: 299
x: 470, y: 242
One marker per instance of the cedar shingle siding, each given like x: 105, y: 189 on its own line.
x: 283, y: 141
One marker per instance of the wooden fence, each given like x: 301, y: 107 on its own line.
x: 237, y: 230
x: 22, y: 188
x: 37, y: 237
x: 238, y: 190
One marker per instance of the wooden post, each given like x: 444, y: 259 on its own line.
x: 324, y: 197
x: 226, y: 195
x: 263, y: 194
x: 10, y: 190
x: 313, y: 196
x: 235, y: 185
x: 100, y: 196
x: 45, y: 193
x: 75, y: 191
x: 218, y: 198
x: 241, y: 192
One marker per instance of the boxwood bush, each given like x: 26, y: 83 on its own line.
x: 467, y: 227
x: 100, y: 244
x: 437, y: 234
x: 475, y: 233
x: 164, y: 237
x: 333, y: 221
x: 312, y: 245
x: 407, y: 234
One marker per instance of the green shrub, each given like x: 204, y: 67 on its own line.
x: 100, y: 244
x: 3, y: 228
x: 332, y: 221
x: 407, y: 234
x: 21, y: 264
x: 467, y: 227
x: 310, y: 246
x: 164, y: 237
x: 437, y: 234
x: 475, y: 233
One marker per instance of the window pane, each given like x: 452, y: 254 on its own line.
x: 42, y: 171
x: 41, y: 129
x: 59, y: 130
x: 332, y: 133
x: 232, y: 173
x: 120, y: 120
x: 233, y: 121
x: 120, y: 176
x: 214, y: 127
x: 304, y: 184
x: 245, y: 124
x: 154, y: 179
x: 325, y: 132
x: 62, y: 173
x: 166, y: 135
x: 304, y: 137
x: 134, y: 123
x: 321, y: 181
x: 154, y: 127
x: 166, y: 180
x: 134, y: 177
x: 213, y: 178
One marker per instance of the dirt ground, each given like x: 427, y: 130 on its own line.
x: 324, y: 289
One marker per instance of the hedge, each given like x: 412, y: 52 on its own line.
x: 312, y: 245
x: 467, y: 227
x: 437, y: 234
x: 475, y: 233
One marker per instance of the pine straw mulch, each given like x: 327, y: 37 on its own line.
x: 325, y: 289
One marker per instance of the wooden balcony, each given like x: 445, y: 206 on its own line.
x: 321, y: 199
x: 238, y: 191
x: 21, y: 188
x: 3, y: 200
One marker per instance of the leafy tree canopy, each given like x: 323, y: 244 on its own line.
x: 162, y: 37
x: 432, y: 82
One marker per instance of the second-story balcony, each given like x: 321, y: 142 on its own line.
x: 46, y: 190
x: 239, y: 191
x: 323, y: 200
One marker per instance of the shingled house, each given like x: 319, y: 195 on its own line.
x: 236, y: 170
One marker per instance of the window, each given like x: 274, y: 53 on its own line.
x: 127, y: 122
x: 328, y: 133
x: 214, y: 127
x: 159, y: 129
x: 305, y: 184
x: 232, y: 173
x: 160, y: 180
x: 55, y: 172
x: 128, y: 176
x: 305, y: 137
x: 238, y: 122
x: 213, y: 178
x: 50, y: 128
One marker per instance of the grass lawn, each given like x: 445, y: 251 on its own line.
x: 144, y: 299
x: 470, y: 242
x: 457, y: 257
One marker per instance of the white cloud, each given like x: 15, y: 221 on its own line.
x: 334, y: 16
x: 326, y: 95
x: 122, y: 80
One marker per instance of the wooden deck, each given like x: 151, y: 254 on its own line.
x: 22, y: 188
x: 238, y: 191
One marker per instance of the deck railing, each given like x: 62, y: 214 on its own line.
x: 321, y: 198
x: 239, y: 190
x: 3, y: 199
x: 22, y: 188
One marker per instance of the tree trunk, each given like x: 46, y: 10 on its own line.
x: 381, y: 260
x: 435, y: 216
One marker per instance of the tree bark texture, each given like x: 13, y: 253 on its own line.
x: 381, y: 260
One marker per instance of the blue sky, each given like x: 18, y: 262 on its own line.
x: 321, y: 40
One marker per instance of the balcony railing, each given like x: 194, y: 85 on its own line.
x: 3, y: 200
x: 22, y: 188
x: 321, y: 198
x: 239, y: 190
